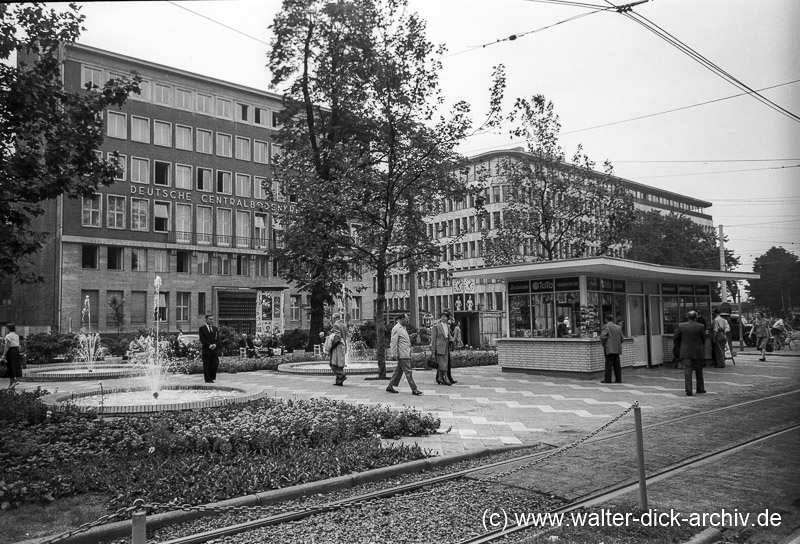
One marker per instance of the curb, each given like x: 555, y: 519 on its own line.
x: 122, y: 529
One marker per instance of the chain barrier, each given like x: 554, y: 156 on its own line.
x: 123, y: 513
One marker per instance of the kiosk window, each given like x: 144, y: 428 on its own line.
x: 519, y: 316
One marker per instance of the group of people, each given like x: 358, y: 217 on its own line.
x: 768, y: 331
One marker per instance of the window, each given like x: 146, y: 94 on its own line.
x: 139, y: 260
x: 224, y: 182
x: 242, y: 265
x: 117, y: 298
x: 161, y: 260
x: 258, y: 188
x: 201, y: 303
x: 122, y: 162
x: 204, y: 225
x: 262, y: 266
x: 276, y: 152
x: 183, y: 137
x: 182, y: 301
x: 260, y: 152
x: 277, y: 191
x: 184, y: 99
x: 294, y: 307
x: 204, y: 180
x: 355, y: 308
x: 261, y: 116
x: 183, y: 176
x: 89, y: 256
x: 205, y: 104
x: 162, y: 133
x: 261, y: 235
x: 243, y: 148
x: 90, y: 207
x: 204, y: 142
x: 140, y: 170
x: 94, y: 303
x: 243, y: 185
x: 115, y: 258
x: 224, y: 264
x: 183, y: 223
x: 223, y: 227
x: 92, y: 76
x: 161, y: 217
x: 144, y: 94
x: 275, y: 123
x: 223, y: 145
x: 117, y: 125
x: 161, y: 309
x: 162, y: 176
x: 162, y: 94
x: 115, y: 212
x: 140, y: 129
x: 224, y: 108
x: 242, y: 229
x: 140, y: 214
x: 242, y: 112
x: 203, y: 263
x: 138, y: 307
x: 183, y: 262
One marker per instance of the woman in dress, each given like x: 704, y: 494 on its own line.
x: 761, y: 331
x: 11, y: 356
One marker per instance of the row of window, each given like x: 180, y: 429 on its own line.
x: 183, y: 98
x: 187, y: 138
x: 191, y: 224
x: 186, y: 262
x: 137, y: 303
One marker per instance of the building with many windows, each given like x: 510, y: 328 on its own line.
x: 479, y: 302
x: 190, y: 206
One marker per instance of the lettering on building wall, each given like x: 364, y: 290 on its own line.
x: 186, y: 196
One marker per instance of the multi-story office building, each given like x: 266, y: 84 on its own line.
x: 479, y: 304
x: 190, y: 206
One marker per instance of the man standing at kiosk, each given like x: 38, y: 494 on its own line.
x: 611, y: 338
x: 691, y: 336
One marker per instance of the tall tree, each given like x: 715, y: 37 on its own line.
x: 48, y: 137
x: 360, y: 147
x: 779, y: 271
x: 554, y: 209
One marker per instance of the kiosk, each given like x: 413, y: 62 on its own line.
x: 556, y: 310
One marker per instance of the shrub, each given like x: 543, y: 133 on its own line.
x: 228, y: 340
x: 367, y: 333
x: 296, y: 339
x: 43, y: 347
x: 117, y: 345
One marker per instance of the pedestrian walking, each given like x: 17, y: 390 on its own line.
x: 338, y: 349
x: 761, y: 331
x: 400, y: 347
x: 719, y: 338
x: 455, y: 335
x: 11, y: 356
x: 209, y: 340
x: 691, y: 336
x: 440, y: 347
x: 611, y: 339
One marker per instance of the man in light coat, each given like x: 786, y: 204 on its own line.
x: 440, y: 347
x: 611, y: 338
x: 400, y: 347
x: 719, y: 337
x: 339, y: 351
x: 691, y: 336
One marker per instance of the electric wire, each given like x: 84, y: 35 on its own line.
x: 720, y: 172
x: 219, y: 23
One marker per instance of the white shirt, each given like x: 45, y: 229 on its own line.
x: 12, y: 340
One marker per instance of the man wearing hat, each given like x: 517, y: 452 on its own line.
x: 719, y: 337
x: 440, y: 347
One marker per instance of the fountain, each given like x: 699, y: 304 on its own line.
x: 158, y: 392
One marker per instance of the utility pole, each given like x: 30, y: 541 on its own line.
x: 723, y: 283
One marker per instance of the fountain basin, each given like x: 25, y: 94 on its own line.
x: 316, y: 367
x: 138, y: 400
x: 71, y: 372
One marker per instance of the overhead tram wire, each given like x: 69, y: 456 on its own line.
x: 706, y: 63
x: 218, y: 23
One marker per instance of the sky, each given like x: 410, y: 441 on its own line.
x: 626, y: 95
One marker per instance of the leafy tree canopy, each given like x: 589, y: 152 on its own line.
x: 779, y: 271
x: 48, y: 136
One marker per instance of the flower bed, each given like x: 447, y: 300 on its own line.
x: 196, y: 457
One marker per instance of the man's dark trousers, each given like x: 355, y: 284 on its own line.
x: 612, y: 363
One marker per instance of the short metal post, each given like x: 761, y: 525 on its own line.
x: 139, y: 527
x: 637, y: 413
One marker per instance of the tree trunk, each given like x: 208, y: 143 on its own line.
x: 317, y: 316
x: 380, y: 326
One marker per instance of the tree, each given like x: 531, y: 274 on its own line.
x: 360, y: 149
x: 48, y: 136
x: 554, y: 209
x: 779, y: 271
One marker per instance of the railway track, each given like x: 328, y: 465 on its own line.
x: 463, y: 483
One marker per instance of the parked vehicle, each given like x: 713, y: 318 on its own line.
x: 746, y: 328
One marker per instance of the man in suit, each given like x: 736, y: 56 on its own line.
x: 440, y: 347
x: 209, y: 339
x: 691, y: 336
x: 611, y: 338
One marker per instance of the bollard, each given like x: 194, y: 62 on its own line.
x: 139, y: 527
x: 637, y: 413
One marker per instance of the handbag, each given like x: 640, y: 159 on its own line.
x: 431, y: 362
